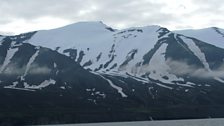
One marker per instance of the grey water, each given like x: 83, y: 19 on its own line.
x: 194, y: 122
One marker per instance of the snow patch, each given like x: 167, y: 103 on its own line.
x: 24, y: 89
x: 1, y: 37
x: 10, y: 53
x: 197, y: 52
x: 31, y: 60
x: 161, y: 85
x: 208, y: 35
x: 158, y: 68
x: 62, y: 87
x: 42, y: 85
x: 14, y: 84
x: 100, y: 94
x: 201, y: 56
x: 55, y: 65
x: 119, y: 89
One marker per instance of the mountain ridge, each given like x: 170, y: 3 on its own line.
x: 107, y: 60
x: 212, y: 35
x: 142, y: 71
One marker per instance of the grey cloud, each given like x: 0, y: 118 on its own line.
x: 182, y: 68
x: 13, y: 70
x: 133, y: 13
x: 35, y: 69
x: 6, y: 33
x: 112, y: 12
x: 130, y: 12
x: 29, y: 9
x: 209, y: 3
x: 209, y: 7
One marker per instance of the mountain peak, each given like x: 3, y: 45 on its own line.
x: 100, y: 23
x: 86, y: 26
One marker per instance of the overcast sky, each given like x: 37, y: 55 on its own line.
x: 17, y: 16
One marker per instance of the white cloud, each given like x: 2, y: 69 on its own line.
x: 182, y: 68
x: 39, y: 70
x: 28, y: 15
x: 35, y: 69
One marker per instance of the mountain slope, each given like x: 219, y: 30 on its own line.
x: 145, y: 54
x: 213, y: 35
x: 1, y: 37
x: 26, y: 67
x: 132, y: 51
x: 91, y: 72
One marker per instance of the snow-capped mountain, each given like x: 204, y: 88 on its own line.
x: 212, y: 35
x: 139, y: 71
x: 136, y: 51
